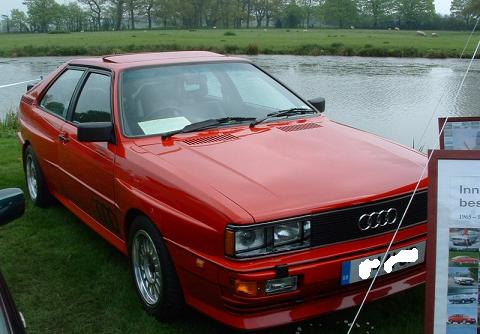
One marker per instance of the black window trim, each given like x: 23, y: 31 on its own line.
x: 78, y: 90
x: 52, y: 82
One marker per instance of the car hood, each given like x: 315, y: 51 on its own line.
x: 285, y: 169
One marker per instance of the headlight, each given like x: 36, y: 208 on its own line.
x: 269, y: 238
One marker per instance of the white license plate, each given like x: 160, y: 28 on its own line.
x: 350, y: 269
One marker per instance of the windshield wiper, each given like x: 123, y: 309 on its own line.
x: 208, y: 124
x: 281, y: 113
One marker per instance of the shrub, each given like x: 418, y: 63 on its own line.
x: 10, y: 122
x: 252, y: 49
x: 231, y: 48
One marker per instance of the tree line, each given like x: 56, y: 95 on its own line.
x: 98, y: 15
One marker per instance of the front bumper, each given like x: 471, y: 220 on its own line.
x: 209, y: 288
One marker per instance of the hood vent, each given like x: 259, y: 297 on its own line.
x: 209, y: 139
x: 299, y: 127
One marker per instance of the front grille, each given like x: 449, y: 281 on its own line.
x: 342, y: 225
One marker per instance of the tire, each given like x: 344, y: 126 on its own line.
x: 153, y: 272
x: 36, y: 186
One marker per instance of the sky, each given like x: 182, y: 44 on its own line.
x: 442, y: 6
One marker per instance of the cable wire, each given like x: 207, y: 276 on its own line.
x: 411, y: 198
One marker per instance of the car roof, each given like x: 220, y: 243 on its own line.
x: 122, y: 61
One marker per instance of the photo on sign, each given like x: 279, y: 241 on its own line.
x: 462, y: 277
x: 461, y: 134
x: 464, y: 240
x: 463, y: 259
x: 461, y: 319
x: 463, y: 296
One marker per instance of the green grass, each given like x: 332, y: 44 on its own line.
x: 379, y: 43
x: 66, y: 279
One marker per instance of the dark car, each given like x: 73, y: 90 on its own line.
x: 12, y: 206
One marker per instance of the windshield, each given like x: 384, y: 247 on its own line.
x: 168, y: 98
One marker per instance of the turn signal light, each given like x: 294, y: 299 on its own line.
x: 246, y: 288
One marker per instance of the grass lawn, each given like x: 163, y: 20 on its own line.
x: 313, y: 42
x: 66, y: 279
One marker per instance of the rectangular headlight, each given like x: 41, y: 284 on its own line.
x: 269, y: 238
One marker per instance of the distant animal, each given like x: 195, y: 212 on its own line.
x: 434, y: 34
x: 352, y: 27
x: 397, y: 29
x: 421, y: 33
x: 214, y: 27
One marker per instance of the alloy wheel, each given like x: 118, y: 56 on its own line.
x: 31, y: 178
x: 147, y: 268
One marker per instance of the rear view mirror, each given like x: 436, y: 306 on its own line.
x: 12, y: 205
x: 318, y: 103
x: 96, y: 132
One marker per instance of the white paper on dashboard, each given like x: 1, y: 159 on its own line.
x: 163, y: 125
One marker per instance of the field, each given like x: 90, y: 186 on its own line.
x: 379, y: 43
x: 66, y: 279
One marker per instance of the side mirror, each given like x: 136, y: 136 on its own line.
x: 318, y: 103
x: 96, y: 132
x: 12, y: 205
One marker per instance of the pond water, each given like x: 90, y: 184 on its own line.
x: 391, y: 97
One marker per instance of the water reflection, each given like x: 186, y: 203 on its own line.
x: 391, y: 97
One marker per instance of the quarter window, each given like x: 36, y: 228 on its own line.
x: 94, y: 102
x: 57, y: 99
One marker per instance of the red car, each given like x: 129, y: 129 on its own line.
x: 229, y: 192
x: 461, y: 319
x: 464, y: 260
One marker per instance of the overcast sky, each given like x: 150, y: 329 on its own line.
x: 443, y: 6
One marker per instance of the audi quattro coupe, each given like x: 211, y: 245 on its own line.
x: 229, y: 192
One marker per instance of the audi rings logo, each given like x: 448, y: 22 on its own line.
x: 377, y: 219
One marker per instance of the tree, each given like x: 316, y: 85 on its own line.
x: 7, y: 21
x: 473, y: 8
x: 42, y: 13
x: 377, y: 10
x: 459, y: 10
x: 413, y: 14
x: 19, y: 20
x: 309, y: 6
x: 117, y: 9
x: 340, y: 12
x: 96, y: 9
x: 132, y: 7
x: 146, y: 8
x: 293, y: 15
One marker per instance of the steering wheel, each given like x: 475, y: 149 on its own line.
x: 165, y: 112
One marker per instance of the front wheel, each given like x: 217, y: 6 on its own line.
x: 153, y: 271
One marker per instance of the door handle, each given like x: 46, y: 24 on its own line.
x: 63, y: 138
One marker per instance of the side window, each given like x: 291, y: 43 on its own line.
x: 57, y: 99
x: 94, y: 102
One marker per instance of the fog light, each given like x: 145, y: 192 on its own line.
x: 279, y: 285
